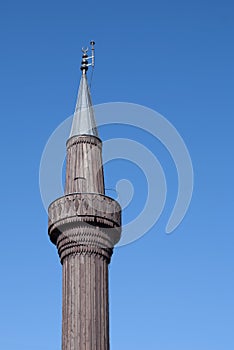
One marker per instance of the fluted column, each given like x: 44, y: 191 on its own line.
x: 84, y: 170
x: 85, y: 302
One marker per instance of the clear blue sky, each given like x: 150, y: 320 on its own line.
x: 167, y: 292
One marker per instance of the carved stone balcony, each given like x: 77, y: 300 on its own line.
x: 87, y: 211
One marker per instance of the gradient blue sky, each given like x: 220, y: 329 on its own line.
x: 167, y: 292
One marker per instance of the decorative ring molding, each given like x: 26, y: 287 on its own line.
x: 84, y: 240
x: 84, y: 139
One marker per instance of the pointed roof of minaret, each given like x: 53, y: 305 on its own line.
x: 84, y: 120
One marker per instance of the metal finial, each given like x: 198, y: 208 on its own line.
x: 85, y: 63
x: 85, y: 50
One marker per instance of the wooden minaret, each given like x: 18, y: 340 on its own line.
x: 85, y: 225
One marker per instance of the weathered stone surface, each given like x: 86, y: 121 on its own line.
x: 85, y: 303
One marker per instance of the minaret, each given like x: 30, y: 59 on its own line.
x: 85, y: 225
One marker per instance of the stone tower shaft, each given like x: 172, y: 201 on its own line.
x: 84, y: 165
x: 85, y: 225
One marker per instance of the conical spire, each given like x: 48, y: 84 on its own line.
x: 84, y: 119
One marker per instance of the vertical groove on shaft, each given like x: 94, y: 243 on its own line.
x: 78, y: 308
x: 98, y: 303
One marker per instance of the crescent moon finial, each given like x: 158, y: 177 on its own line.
x: 85, y: 50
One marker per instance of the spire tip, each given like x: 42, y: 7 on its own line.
x: 85, y: 63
